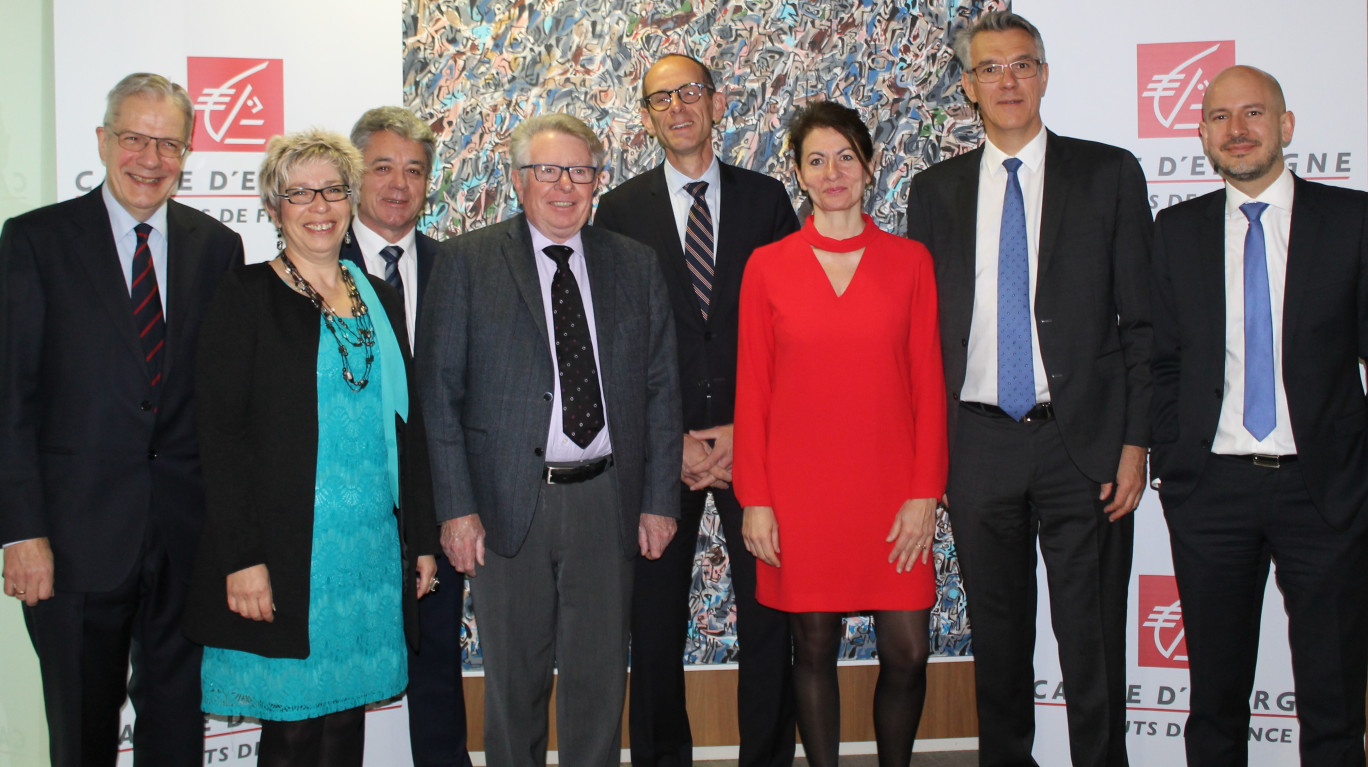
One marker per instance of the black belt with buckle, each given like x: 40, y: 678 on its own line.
x: 1265, y: 461
x: 1043, y: 411
x: 580, y: 472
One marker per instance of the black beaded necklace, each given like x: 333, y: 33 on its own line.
x: 362, y: 337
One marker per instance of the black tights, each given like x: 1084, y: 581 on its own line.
x: 331, y: 740
x: 903, y: 642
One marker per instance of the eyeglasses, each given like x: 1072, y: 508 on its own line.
x: 136, y: 142
x: 688, y: 93
x: 1024, y: 69
x: 550, y: 174
x: 302, y: 196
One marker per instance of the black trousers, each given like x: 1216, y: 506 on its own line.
x: 1012, y: 485
x: 1224, y: 535
x: 436, y: 700
x: 658, y: 720
x: 85, y: 643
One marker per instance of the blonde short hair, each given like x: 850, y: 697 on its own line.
x: 286, y: 152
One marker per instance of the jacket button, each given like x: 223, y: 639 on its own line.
x: 1217, y: 392
x: 955, y: 396
x: 151, y: 455
x: 1206, y: 442
x: 538, y: 452
x: 144, y: 406
x: 964, y: 342
x: 546, y: 396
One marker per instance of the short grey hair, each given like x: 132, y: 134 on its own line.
x: 995, y: 21
x: 286, y: 152
x: 519, y: 144
x: 154, y: 86
x: 398, y: 121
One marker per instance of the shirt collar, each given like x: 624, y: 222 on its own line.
x: 1032, y: 155
x: 675, y: 181
x: 122, y: 222
x: 371, y: 241
x: 540, y: 241
x: 1278, y: 194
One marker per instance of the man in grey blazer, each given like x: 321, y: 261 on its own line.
x: 547, y: 363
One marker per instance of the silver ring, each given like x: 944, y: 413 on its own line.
x: 433, y: 585
x: 19, y: 592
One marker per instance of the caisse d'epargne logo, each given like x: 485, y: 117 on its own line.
x: 1171, y: 78
x: 239, y: 103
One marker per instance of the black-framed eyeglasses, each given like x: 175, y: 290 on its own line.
x: 1023, y: 69
x: 133, y: 141
x: 550, y: 174
x: 688, y: 93
x: 303, y: 196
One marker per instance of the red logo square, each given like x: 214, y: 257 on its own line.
x: 1170, y: 80
x: 239, y: 102
x: 1162, y: 642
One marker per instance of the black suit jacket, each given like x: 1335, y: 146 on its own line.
x: 89, y: 457
x: 1092, y: 289
x: 755, y: 210
x: 427, y: 251
x: 259, y: 428
x: 1325, y: 333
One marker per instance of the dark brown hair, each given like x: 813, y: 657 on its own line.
x: 828, y: 114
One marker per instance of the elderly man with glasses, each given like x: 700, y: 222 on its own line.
x: 547, y: 365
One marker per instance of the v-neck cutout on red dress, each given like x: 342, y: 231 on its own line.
x: 821, y: 242
x: 838, y: 292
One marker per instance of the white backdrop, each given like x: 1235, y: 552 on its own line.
x: 1127, y: 74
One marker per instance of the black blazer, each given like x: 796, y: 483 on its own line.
x: 1092, y: 289
x: 755, y: 210
x: 259, y: 430
x: 88, y: 456
x: 1325, y: 333
x: 427, y: 251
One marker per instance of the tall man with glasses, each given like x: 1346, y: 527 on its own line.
x: 1260, y: 433
x: 397, y: 150
x: 703, y: 218
x: 101, y: 499
x: 547, y: 367
x: 1041, y: 246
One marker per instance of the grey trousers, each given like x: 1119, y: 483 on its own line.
x: 562, y: 602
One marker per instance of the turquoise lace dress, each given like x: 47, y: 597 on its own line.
x: 356, y: 636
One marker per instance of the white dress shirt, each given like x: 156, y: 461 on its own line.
x: 981, y: 373
x: 371, y: 244
x: 1232, y: 438
x: 121, y: 222
x: 559, y: 448
x: 681, y: 201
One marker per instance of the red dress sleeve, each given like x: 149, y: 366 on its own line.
x: 754, y: 375
x: 928, y: 383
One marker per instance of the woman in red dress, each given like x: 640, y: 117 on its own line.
x: 840, y: 451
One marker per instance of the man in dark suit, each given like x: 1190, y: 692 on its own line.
x: 547, y: 367
x: 101, y: 500
x: 1260, y: 432
x: 731, y: 212
x: 1041, y: 245
x: 397, y: 151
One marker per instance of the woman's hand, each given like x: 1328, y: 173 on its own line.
x: 249, y: 594
x: 761, y: 531
x: 427, y: 574
x: 914, y: 529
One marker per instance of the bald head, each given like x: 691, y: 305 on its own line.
x: 1247, y: 75
x: 1245, y: 125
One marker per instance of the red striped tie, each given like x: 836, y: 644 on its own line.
x: 147, y: 305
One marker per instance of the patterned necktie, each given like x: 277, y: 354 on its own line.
x: 1259, y: 409
x: 581, y: 399
x: 1016, y: 371
x: 147, y: 305
x: 391, y: 254
x: 698, y: 245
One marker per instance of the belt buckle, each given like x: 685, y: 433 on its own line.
x: 1268, y: 461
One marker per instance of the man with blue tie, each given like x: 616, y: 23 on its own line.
x: 1041, y: 248
x: 1260, y: 426
x: 397, y: 151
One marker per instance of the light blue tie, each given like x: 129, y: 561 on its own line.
x: 1259, y: 409
x: 1016, y: 372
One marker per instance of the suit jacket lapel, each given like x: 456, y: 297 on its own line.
x: 966, y: 200
x: 602, y: 286
x: 726, y: 271
x: 184, y: 244
x: 1210, y: 267
x: 95, y: 242
x: 519, y: 257
x: 427, y: 248
x: 351, y: 251
x: 661, y: 212
x: 1054, y: 199
x: 1301, y: 244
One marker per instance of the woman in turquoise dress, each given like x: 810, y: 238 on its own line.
x: 319, y: 524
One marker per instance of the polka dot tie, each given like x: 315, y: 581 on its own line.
x: 698, y: 245
x: 1016, y: 372
x: 581, y: 398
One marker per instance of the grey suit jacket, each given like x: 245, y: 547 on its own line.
x: 486, y: 374
x: 1092, y: 289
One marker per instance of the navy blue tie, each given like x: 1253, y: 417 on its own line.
x: 391, y: 254
x: 1016, y: 370
x: 1260, y: 414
